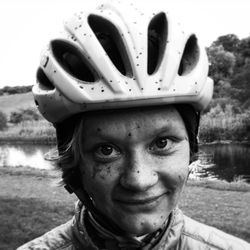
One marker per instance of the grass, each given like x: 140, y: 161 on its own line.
x: 9, y: 103
x: 39, y: 131
x: 31, y: 204
x: 226, y: 210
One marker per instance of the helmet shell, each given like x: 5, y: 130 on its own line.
x: 178, y: 75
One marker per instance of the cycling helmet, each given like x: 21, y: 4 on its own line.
x: 118, y: 56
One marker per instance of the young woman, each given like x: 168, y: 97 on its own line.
x: 124, y: 88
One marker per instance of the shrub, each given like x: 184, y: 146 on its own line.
x: 3, y: 121
x: 224, y: 124
x: 24, y: 115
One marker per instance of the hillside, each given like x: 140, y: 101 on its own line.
x: 9, y: 103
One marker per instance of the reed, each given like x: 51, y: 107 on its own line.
x: 225, y: 126
x: 30, y: 131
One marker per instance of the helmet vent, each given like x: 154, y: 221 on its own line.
x: 43, y: 80
x: 111, y: 41
x: 72, y: 60
x: 157, y: 39
x: 190, y: 56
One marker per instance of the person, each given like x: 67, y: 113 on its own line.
x: 124, y: 87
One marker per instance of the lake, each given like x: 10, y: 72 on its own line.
x: 226, y: 162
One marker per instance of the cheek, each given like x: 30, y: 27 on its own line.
x: 174, y: 172
x: 99, y: 179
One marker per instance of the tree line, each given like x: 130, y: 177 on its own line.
x: 229, y: 57
x: 7, y: 90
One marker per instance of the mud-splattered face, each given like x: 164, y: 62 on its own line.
x: 135, y: 165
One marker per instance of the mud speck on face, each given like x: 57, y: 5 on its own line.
x: 99, y: 130
x: 96, y: 170
x: 129, y: 134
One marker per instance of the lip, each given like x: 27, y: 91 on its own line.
x: 139, y: 201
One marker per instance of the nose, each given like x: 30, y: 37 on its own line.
x: 139, y: 174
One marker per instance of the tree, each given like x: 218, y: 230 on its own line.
x: 29, y: 114
x: 241, y: 85
x: 15, y: 90
x: 222, y: 62
x: 243, y: 54
x: 229, y: 42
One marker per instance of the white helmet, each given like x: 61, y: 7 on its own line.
x: 117, y: 56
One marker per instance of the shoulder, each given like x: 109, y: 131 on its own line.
x: 195, y: 233
x: 58, y: 238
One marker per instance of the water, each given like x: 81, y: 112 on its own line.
x: 226, y: 162
x: 229, y: 162
x: 25, y: 155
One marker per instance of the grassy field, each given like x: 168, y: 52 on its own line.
x: 9, y: 103
x: 39, y: 131
x: 32, y: 204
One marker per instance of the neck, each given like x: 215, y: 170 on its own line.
x: 105, y: 234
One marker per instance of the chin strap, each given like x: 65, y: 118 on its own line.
x: 74, y: 185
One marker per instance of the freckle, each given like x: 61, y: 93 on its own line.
x: 138, y: 172
x: 108, y: 170
x: 138, y: 126
x: 129, y: 134
x: 99, y: 130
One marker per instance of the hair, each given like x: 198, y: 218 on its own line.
x: 70, y: 144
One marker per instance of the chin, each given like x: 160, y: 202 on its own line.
x: 141, y: 225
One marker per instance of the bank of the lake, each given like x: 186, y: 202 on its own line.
x: 32, y: 203
x: 36, y: 132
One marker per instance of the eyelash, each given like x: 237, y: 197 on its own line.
x: 105, y: 158
x: 164, y: 150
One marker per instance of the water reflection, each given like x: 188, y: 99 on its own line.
x: 24, y: 155
x: 232, y: 162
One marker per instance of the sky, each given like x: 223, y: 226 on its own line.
x: 26, y: 26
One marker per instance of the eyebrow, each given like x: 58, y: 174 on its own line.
x: 156, y: 132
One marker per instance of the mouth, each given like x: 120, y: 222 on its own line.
x: 140, y: 201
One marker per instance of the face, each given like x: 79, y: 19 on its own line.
x: 134, y: 166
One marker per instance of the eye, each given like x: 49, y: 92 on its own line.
x: 106, y: 152
x: 161, y: 142
x: 161, y: 145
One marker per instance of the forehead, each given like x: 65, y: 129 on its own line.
x: 150, y: 118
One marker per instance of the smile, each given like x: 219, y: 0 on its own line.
x: 139, y: 202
